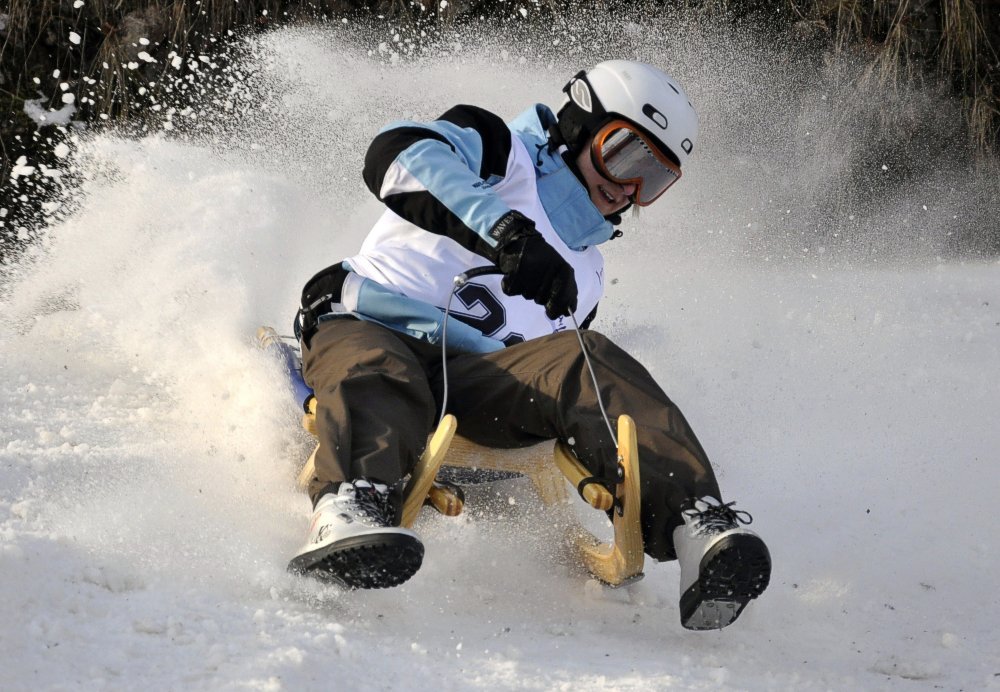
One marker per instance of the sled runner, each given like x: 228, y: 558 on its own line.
x: 615, y: 563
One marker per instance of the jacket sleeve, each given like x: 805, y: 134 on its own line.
x: 438, y: 175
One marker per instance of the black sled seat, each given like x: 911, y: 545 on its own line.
x: 549, y: 468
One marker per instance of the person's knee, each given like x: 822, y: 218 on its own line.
x: 597, y: 342
x: 563, y: 350
x: 568, y: 342
x: 603, y: 350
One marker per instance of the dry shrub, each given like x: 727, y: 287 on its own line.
x: 952, y: 40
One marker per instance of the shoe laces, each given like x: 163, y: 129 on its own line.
x: 372, y: 503
x: 715, y: 518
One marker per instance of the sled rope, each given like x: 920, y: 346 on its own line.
x: 593, y: 378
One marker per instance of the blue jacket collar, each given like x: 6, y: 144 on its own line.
x: 564, y: 198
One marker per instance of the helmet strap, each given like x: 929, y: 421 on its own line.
x: 556, y: 138
x: 616, y: 218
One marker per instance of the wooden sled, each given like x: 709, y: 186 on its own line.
x: 616, y: 563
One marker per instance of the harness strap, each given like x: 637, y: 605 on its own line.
x: 319, y: 295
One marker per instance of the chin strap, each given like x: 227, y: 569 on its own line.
x: 616, y: 218
x: 556, y: 138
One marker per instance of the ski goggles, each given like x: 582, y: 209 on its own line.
x: 626, y: 156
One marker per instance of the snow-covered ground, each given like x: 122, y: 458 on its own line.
x: 148, y: 453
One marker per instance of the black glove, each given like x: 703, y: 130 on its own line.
x: 531, y: 267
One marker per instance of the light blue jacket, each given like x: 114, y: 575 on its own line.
x: 456, y: 160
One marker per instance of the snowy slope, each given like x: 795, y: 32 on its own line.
x: 147, y: 455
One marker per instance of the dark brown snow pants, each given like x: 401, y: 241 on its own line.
x: 379, y: 391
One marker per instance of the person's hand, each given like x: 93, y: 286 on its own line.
x: 532, y: 268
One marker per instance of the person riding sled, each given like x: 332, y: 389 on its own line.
x: 535, y: 198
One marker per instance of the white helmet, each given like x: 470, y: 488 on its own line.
x: 633, y: 91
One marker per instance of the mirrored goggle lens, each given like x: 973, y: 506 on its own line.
x: 627, y: 158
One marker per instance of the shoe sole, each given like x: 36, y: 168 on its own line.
x: 733, y: 572
x: 363, y: 562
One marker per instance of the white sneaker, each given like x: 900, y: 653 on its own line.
x: 723, y: 566
x: 352, y: 540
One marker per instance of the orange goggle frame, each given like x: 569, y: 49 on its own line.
x: 626, y: 156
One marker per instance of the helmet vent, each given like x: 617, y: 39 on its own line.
x: 674, y: 88
x: 580, y: 94
x: 656, y: 116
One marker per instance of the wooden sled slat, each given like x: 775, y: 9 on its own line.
x: 421, y: 482
x: 422, y: 477
x: 621, y: 561
x: 533, y: 462
x: 597, y: 496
